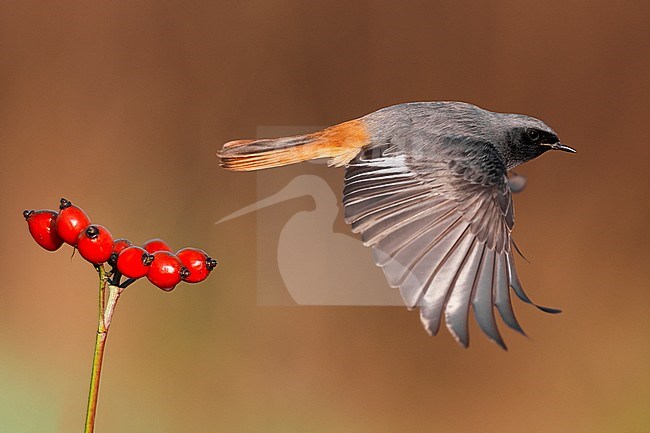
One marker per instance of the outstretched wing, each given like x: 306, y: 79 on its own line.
x: 439, y: 226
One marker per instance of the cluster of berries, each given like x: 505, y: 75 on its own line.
x: 154, y: 259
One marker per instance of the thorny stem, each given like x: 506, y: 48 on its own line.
x: 109, y: 293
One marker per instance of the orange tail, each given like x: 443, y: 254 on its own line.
x: 340, y: 143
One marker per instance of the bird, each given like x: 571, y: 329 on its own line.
x: 426, y: 188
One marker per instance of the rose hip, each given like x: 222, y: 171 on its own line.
x: 157, y: 244
x: 118, y: 246
x: 166, y: 270
x: 197, y: 262
x: 71, y: 221
x: 42, y: 227
x: 95, y: 244
x: 134, y: 262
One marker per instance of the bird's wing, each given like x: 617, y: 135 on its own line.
x: 439, y: 226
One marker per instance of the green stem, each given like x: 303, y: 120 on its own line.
x: 100, y: 342
x: 107, y: 302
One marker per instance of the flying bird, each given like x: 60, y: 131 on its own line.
x: 426, y: 187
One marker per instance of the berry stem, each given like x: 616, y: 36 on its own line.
x: 108, y: 297
x: 127, y: 283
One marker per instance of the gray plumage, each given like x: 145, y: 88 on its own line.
x: 426, y: 187
x: 431, y: 197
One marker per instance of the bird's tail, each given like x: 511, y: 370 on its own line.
x: 340, y: 143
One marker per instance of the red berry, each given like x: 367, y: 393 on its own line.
x: 71, y: 221
x: 95, y: 244
x: 197, y: 262
x: 153, y: 245
x: 118, y: 246
x: 42, y: 227
x: 134, y: 262
x: 166, y: 270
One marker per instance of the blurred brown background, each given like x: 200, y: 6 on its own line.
x: 120, y: 106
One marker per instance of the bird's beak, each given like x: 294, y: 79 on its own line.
x: 560, y: 146
x: 563, y: 147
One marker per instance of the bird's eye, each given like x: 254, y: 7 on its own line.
x: 533, y: 134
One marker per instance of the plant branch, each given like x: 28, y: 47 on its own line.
x: 108, y: 296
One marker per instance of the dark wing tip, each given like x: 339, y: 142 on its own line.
x: 500, y: 343
x: 548, y: 309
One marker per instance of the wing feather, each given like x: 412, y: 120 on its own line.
x: 437, y: 290
x: 457, y: 308
x: 502, y: 294
x: 440, y: 230
x: 415, y: 275
x: 483, y: 301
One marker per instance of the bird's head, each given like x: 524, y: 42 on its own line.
x: 525, y: 138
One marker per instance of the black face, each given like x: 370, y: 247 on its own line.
x: 533, y: 136
x: 527, y: 143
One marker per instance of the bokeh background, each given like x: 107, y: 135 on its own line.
x: 120, y: 106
